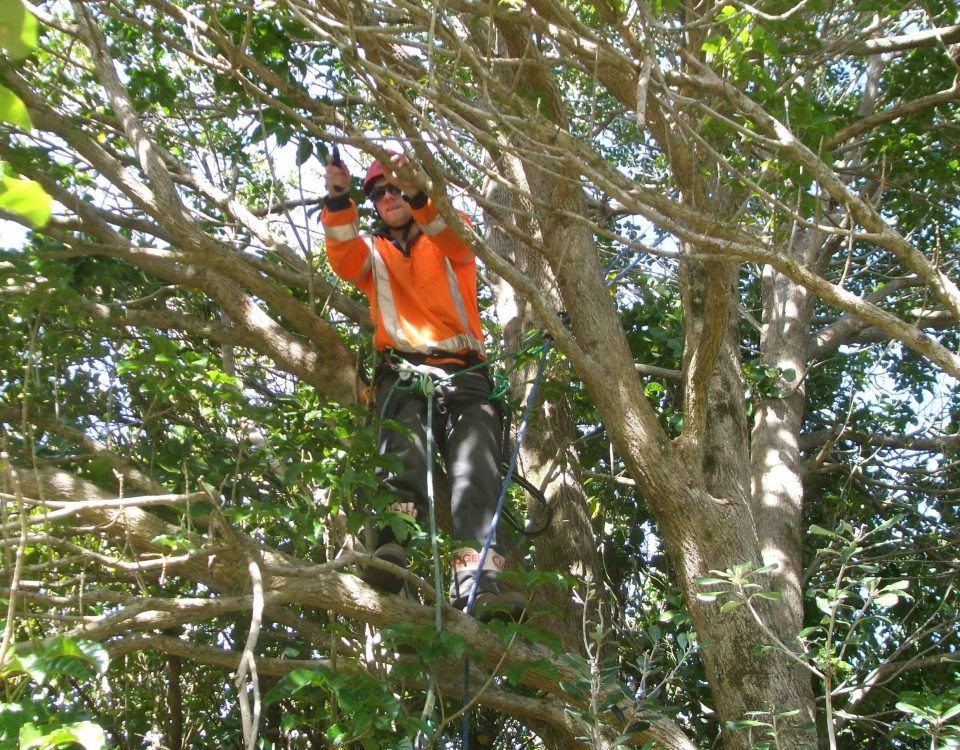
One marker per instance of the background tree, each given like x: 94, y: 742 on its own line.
x: 737, y: 224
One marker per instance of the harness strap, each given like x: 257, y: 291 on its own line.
x: 436, y: 357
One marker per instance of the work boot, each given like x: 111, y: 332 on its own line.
x: 506, y: 606
x: 491, y: 602
x: 385, y: 580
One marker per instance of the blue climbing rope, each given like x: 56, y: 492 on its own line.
x: 521, y: 432
x: 508, y: 476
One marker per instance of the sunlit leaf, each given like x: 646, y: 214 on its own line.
x: 25, y: 198
x: 18, y: 29
x: 13, y: 110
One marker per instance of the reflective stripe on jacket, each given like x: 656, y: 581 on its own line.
x: 422, y: 301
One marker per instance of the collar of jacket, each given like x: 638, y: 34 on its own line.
x: 403, y: 247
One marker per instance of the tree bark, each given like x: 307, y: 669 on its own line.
x: 174, y: 703
x: 777, y: 484
x: 547, y: 459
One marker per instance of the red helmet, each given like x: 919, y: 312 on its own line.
x: 374, y: 172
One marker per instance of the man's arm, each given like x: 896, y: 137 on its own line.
x: 427, y: 217
x: 434, y: 226
x: 348, y: 253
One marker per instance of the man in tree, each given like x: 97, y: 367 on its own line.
x: 421, y: 280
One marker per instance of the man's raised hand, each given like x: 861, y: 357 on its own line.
x: 338, y: 177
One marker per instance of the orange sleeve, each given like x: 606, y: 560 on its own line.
x: 347, y: 251
x: 434, y: 226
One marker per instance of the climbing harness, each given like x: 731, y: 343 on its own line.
x: 423, y: 374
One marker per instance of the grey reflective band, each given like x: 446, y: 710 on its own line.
x: 342, y: 233
x: 457, y: 343
x: 434, y: 227
x: 388, y: 309
x: 455, y: 294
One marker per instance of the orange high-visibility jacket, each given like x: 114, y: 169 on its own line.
x: 424, y: 300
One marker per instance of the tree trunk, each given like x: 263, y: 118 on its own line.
x: 174, y: 703
x: 703, y: 531
x: 546, y: 457
x: 567, y: 543
x: 777, y: 480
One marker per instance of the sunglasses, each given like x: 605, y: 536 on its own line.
x: 378, y: 192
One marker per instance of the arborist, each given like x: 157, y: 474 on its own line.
x: 421, y: 281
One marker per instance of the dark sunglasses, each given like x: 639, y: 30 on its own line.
x: 378, y: 192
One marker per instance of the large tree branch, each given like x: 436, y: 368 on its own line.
x: 891, y: 114
x: 450, y: 682
x: 814, y: 441
x: 198, y: 249
x: 325, y: 364
x: 900, y: 43
x: 707, y: 316
x: 138, y: 479
x: 849, y: 328
x: 165, y: 199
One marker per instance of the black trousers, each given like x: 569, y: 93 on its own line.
x: 467, y: 428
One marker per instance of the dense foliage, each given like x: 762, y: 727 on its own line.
x: 188, y: 470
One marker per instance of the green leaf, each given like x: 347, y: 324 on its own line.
x: 13, y: 110
x: 18, y: 29
x: 954, y: 710
x: 774, y: 596
x: 175, y: 542
x: 711, y: 46
x: 887, y: 600
x: 294, y: 682
x: 746, y: 724
x: 515, y: 673
x: 908, y: 708
x: 710, y: 581
x: 897, y: 586
x: 536, y: 578
x: 304, y: 151
x: 95, y: 654
x: 729, y: 607
x: 88, y: 735
x: 64, y: 656
x: 27, y: 199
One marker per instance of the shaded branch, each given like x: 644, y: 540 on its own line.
x: 225, y: 573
